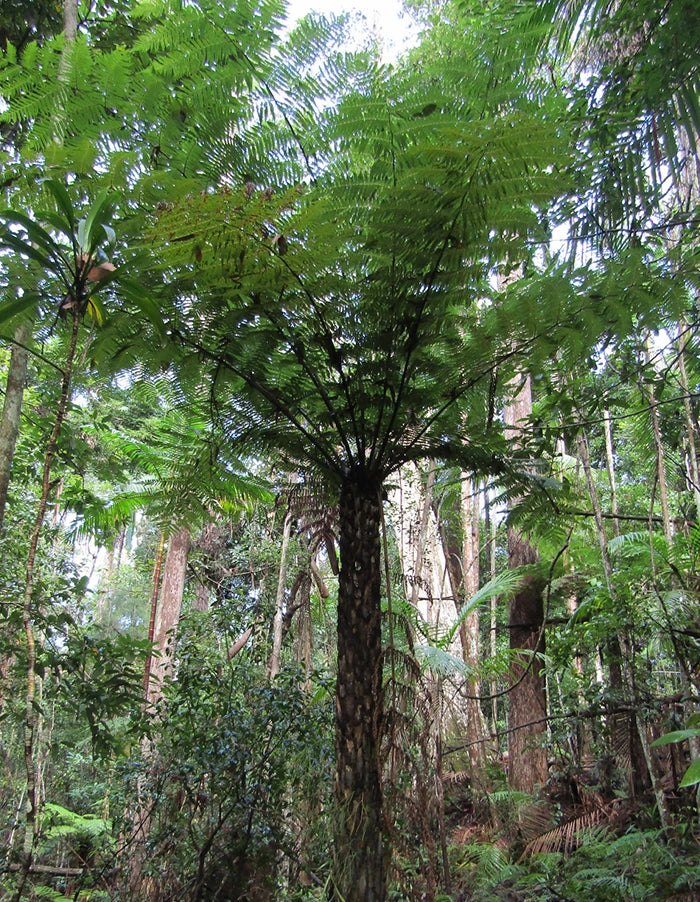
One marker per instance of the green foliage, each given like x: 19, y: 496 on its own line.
x: 102, y: 679
x: 637, y: 865
x: 234, y: 755
x: 692, y: 775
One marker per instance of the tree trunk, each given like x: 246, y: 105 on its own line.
x: 276, y: 656
x: 628, y: 725
x: 647, y: 392
x: 32, y: 707
x: 167, y: 613
x: 359, y: 867
x: 610, y: 461
x: 12, y: 409
x: 463, y: 571
x: 690, y: 422
x: 527, y: 700
x: 476, y: 724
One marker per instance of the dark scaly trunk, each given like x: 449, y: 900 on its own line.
x: 359, y: 870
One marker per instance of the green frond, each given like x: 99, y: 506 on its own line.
x: 504, y: 585
x: 483, y: 864
x: 440, y: 662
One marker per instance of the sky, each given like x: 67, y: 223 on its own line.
x: 384, y: 16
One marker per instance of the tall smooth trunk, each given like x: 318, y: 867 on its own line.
x: 470, y: 631
x: 32, y: 708
x: 167, y: 613
x: 12, y: 410
x: 691, y: 428
x: 359, y: 865
x: 610, y: 462
x: 278, y: 622
x: 647, y: 391
x: 462, y: 563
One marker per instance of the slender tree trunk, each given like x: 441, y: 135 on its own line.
x: 463, y: 571
x: 155, y: 592
x: 690, y: 423
x: 476, y: 724
x: 629, y: 726
x: 32, y: 711
x: 359, y: 865
x: 527, y: 700
x: 491, y: 528
x: 12, y: 409
x: 648, y: 395
x: 610, y: 461
x: 70, y: 20
x: 276, y: 656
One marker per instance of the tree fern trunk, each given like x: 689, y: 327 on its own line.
x: 359, y: 871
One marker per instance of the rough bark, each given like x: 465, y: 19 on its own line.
x: 359, y: 867
x: 12, y: 410
x: 527, y: 701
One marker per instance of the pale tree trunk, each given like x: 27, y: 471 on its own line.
x: 527, y: 700
x: 420, y: 546
x: 476, y: 724
x: 9, y: 431
x: 167, y: 614
x: 491, y: 527
x: 12, y: 409
x: 277, y: 624
x: 694, y: 480
x: 662, y: 482
x: 690, y: 423
x: 462, y: 563
x: 610, y: 461
x: 429, y: 563
x: 169, y: 575
x: 70, y: 20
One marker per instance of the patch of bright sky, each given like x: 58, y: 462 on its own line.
x: 393, y: 28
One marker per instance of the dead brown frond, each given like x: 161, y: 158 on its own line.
x: 567, y: 837
x: 456, y: 778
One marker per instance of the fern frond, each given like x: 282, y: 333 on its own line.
x: 568, y: 836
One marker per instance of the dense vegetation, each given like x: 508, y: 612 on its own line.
x: 349, y: 478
